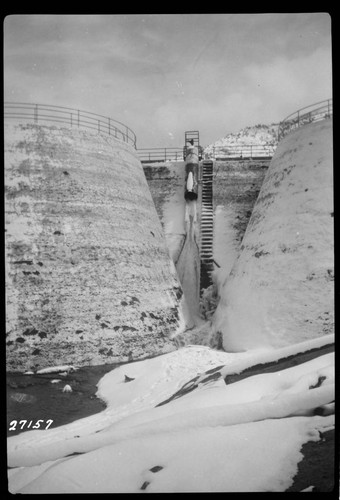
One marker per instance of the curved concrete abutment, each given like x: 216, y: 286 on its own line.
x: 88, y: 276
x: 280, y: 290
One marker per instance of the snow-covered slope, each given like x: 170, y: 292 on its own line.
x: 262, y: 136
x: 204, y: 441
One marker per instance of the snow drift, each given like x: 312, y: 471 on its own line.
x: 203, y: 441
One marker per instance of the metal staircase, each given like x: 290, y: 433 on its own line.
x: 207, y: 225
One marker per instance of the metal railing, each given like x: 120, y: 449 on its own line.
x: 149, y: 155
x: 316, y: 112
x: 240, y: 151
x: 39, y: 113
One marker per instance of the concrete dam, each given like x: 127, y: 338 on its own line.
x: 109, y: 260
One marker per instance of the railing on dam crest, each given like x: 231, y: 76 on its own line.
x: 251, y: 151
x: 39, y: 113
x: 313, y: 113
x: 153, y: 155
x: 240, y: 151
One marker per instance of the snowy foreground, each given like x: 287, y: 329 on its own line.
x: 245, y: 436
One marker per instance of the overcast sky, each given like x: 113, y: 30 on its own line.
x: 163, y: 74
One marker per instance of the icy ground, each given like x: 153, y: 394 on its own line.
x: 245, y: 436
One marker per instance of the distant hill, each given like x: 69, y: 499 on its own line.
x: 261, y: 137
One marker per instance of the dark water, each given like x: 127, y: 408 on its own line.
x: 34, y: 397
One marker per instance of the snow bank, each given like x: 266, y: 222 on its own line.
x: 204, y: 460
x: 210, y: 428
x: 280, y: 289
x: 56, y: 369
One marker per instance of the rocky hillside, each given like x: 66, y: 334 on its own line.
x: 261, y: 136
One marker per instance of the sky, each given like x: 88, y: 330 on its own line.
x: 163, y: 74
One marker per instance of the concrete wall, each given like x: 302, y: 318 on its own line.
x: 280, y: 289
x: 88, y: 276
x: 236, y: 186
x: 166, y: 183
